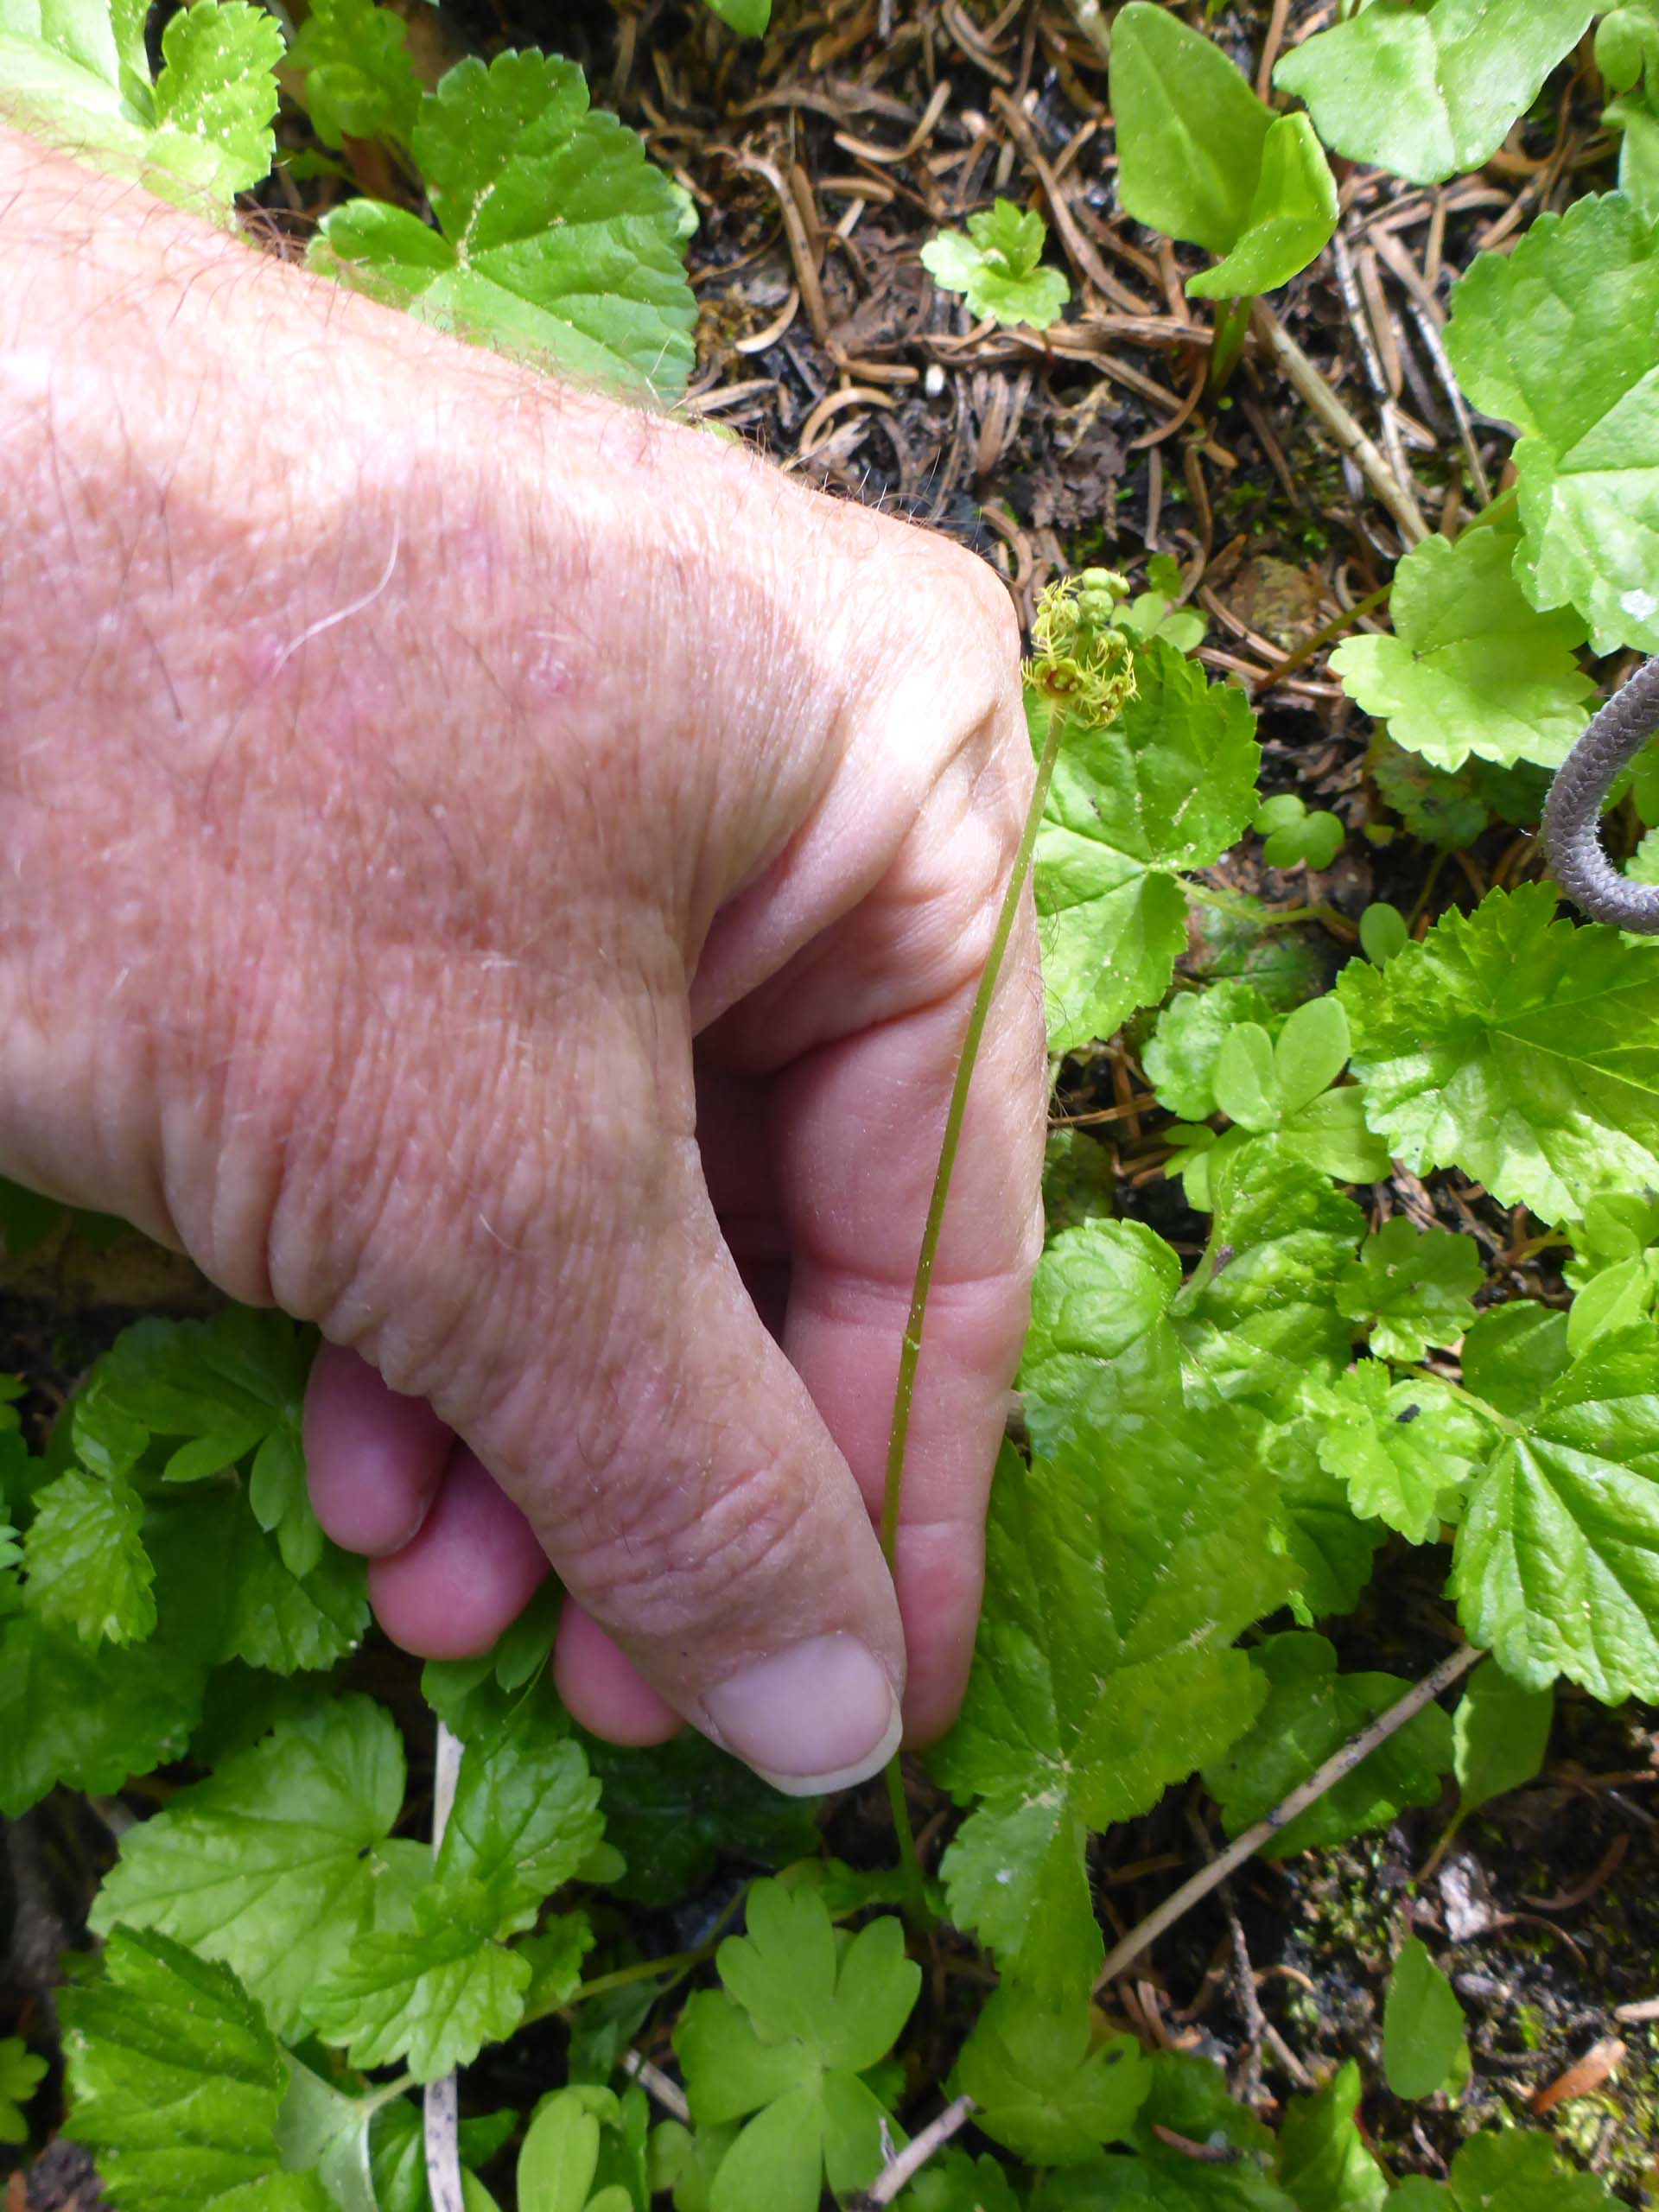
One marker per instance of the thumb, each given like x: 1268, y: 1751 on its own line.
x: 692, y: 1501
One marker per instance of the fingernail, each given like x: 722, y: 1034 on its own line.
x: 819, y: 1717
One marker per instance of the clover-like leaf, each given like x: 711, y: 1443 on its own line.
x: 1293, y: 836
x: 1471, y: 666
x: 1181, y: 1055
x: 1434, y: 89
x: 21, y: 2073
x: 783, y: 2046
x: 997, y: 266
x: 1164, y: 788
x: 1554, y: 339
x: 1522, y: 1049
x: 557, y: 237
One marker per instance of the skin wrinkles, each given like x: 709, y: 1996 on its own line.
x: 427, y: 885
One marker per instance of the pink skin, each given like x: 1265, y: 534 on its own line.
x: 503, y: 876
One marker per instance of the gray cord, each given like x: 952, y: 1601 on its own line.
x: 1572, y: 810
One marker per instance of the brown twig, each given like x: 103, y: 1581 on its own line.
x: 1324, y: 1777
x: 1339, y: 422
x: 914, y: 2155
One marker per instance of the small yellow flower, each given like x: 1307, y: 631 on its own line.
x: 1081, y: 662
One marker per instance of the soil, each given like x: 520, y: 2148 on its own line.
x: 820, y: 160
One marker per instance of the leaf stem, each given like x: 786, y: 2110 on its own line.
x: 910, y: 1350
x: 1232, y: 328
x: 1324, y: 1777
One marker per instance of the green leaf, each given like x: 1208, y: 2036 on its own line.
x: 1042, y: 2091
x: 1433, y: 91
x: 1101, y: 1294
x: 1406, y: 1451
x: 997, y: 265
x: 1424, y: 2044
x: 524, y: 1820
x: 1179, y: 1057
x: 277, y: 1861
x: 1522, y: 1049
x: 328, y: 2131
x: 556, y: 238
x: 20, y: 2074
x: 358, y: 79
x: 1292, y: 217
x: 203, y: 131
x: 223, y: 1585
x: 1627, y: 44
x: 1293, y: 836
x: 1636, y: 117
x: 1550, y: 338
x: 398, y: 2159
x: 216, y: 86
x: 749, y: 18
x: 432, y: 1993
x: 1521, y: 2173
x: 1411, y: 1288
x: 957, y: 2183
x: 559, y: 2156
x: 1323, y: 2161
x: 176, y: 2082
x: 672, y: 1810
x: 1382, y: 933
x: 1188, y: 2100
x: 1332, y: 1551
x: 228, y: 1385
x: 1513, y: 1354
x: 1500, y: 1732
x: 1309, y: 1711
x: 1279, y: 1240
x: 1472, y: 667
x: 1168, y: 786
x: 1079, y: 1180
x: 1121, y: 1567
x: 88, y: 1570
x: 1557, y: 1563
x: 87, y: 1717
x: 1191, y: 132
x: 785, y: 2042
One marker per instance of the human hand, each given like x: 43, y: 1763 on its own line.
x: 504, y: 878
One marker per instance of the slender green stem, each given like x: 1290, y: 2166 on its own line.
x: 911, y: 1349
x: 1232, y: 328
x: 1323, y: 636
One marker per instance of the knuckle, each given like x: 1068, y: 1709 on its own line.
x: 664, y: 1558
